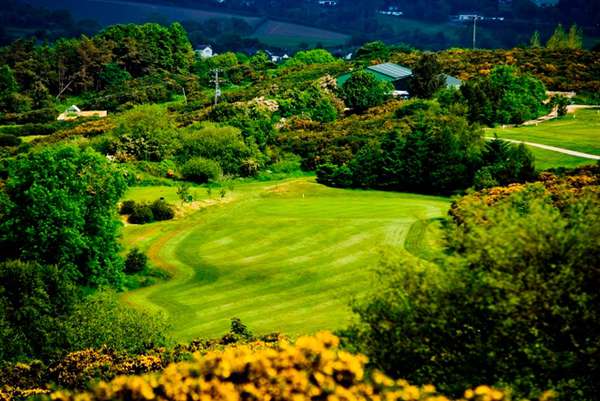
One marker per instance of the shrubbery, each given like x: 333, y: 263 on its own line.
x: 362, y: 91
x: 58, y: 207
x: 136, y: 261
x: 312, y: 369
x: 515, y: 297
x: 201, y: 170
x: 143, y: 213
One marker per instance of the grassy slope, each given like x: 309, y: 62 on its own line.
x: 579, y: 131
x: 284, y: 34
x: 285, y: 256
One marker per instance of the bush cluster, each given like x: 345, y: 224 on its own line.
x: 514, y: 296
x: 312, y: 369
x: 201, y: 170
x: 142, y: 212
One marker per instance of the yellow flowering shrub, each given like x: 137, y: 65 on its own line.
x: 311, y: 369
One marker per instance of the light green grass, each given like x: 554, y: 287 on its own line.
x: 285, y: 256
x: 545, y: 159
x: 579, y: 132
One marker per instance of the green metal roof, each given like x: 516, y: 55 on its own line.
x: 390, y: 72
x: 394, y: 71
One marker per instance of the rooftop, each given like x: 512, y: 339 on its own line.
x: 391, y: 70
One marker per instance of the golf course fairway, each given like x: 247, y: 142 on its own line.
x: 283, y: 256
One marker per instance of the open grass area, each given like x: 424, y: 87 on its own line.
x: 579, y: 131
x: 283, y: 256
x: 545, y: 159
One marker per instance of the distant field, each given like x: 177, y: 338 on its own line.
x: 285, y: 34
x: 116, y: 11
x: 285, y: 256
x: 579, y: 132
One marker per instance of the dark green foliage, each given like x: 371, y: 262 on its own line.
x: 315, y: 56
x: 334, y: 176
x: 113, y: 75
x: 225, y: 144
x: 141, y: 214
x: 362, y: 91
x: 254, y: 122
x: 146, y: 133
x: 504, y: 97
x: 9, y: 140
x: 505, y: 163
x: 141, y: 49
x: 136, y: 261
x: 427, y: 77
x: 440, y: 153
x: 161, y: 210
x: 240, y: 329
x: 103, y: 320
x: 59, y: 208
x: 201, y: 170
x: 514, y: 304
x: 40, y: 116
x: 127, y: 207
x: 312, y: 103
x: 561, y: 103
x: 411, y: 107
x: 373, y: 51
x: 34, y: 300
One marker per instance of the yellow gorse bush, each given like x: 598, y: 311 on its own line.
x: 311, y: 369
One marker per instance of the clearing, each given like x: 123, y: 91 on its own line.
x: 579, y: 132
x: 283, y: 256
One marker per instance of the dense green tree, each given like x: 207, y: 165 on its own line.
x: 535, y: 41
x: 315, y: 56
x: 146, y: 133
x: 225, y: 144
x: 505, y: 96
x: 362, y: 91
x: 514, y: 304
x: 114, y: 76
x: 373, y: 51
x: 427, y: 77
x: 201, y: 170
x: 58, y: 207
x: 34, y: 301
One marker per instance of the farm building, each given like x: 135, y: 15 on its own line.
x: 396, y: 74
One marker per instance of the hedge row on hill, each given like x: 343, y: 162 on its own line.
x: 561, y: 70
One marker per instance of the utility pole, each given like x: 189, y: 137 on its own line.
x: 216, y: 80
x: 475, y: 17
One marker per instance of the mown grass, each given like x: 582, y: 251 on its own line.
x: 286, y: 256
x: 579, y: 131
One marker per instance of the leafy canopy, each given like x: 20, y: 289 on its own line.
x: 58, y: 207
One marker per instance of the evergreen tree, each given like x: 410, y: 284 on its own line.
x: 427, y: 77
x: 558, y: 39
x: 535, y: 40
x: 575, y: 38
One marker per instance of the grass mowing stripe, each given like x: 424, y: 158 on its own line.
x: 283, y: 256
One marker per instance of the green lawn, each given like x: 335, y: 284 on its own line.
x: 283, y: 256
x: 579, y: 132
